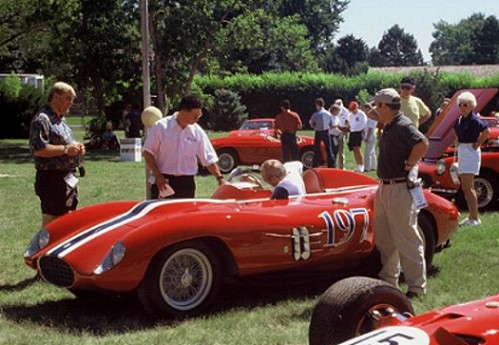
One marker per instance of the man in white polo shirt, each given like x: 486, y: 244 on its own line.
x: 172, y: 149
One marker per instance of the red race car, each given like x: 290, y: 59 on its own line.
x: 375, y: 312
x: 254, y: 143
x: 176, y: 253
x: 436, y: 168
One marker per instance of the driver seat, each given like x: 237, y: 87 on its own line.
x: 313, y: 182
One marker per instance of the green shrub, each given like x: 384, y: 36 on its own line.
x: 19, y: 103
x: 262, y: 93
x: 226, y: 113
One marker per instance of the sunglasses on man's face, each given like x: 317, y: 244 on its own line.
x: 462, y: 105
x: 406, y: 87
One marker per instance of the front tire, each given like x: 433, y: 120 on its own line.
x: 181, y: 281
x: 350, y: 308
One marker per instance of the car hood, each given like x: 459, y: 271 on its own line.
x: 441, y: 133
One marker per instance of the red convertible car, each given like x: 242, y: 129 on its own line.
x: 254, y: 143
x: 176, y: 253
x: 375, y: 312
x: 436, y: 167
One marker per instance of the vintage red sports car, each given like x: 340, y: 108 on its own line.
x: 175, y: 253
x: 254, y: 143
x: 436, y: 168
x: 375, y: 312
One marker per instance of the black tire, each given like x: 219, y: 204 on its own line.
x: 425, y: 227
x: 487, y: 192
x: 181, y: 281
x: 345, y: 310
x: 227, y: 160
x: 307, y: 157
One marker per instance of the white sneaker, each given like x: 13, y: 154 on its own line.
x: 470, y: 222
x: 464, y: 222
x: 474, y: 222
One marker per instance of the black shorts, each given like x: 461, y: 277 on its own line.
x: 184, y: 187
x: 355, y: 140
x: 56, y: 197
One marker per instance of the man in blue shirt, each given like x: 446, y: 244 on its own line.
x: 321, y: 121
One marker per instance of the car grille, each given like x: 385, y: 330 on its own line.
x: 56, y: 271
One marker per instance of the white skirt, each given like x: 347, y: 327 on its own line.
x: 469, y: 159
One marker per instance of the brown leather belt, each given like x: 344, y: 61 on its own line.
x: 393, y: 180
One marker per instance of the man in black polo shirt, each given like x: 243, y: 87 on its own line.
x: 395, y: 214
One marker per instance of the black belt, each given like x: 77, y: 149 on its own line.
x: 393, y: 180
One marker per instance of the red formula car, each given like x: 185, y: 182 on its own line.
x: 436, y: 167
x: 176, y: 253
x: 256, y: 142
x: 369, y: 311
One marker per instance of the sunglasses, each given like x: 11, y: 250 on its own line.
x: 406, y: 87
x: 462, y: 105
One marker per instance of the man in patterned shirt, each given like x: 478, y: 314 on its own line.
x: 56, y: 154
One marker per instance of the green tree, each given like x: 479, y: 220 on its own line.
x: 398, y: 48
x: 486, y: 42
x: 349, y: 57
x: 189, y: 36
x: 227, y: 112
x: 96, y: 45
x: 473, y: 40
x: 257, y: 47
x: 23, y: 25
x: 321, y: 17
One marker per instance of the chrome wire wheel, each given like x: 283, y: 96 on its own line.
x: 186, y: 279
x: 227, y: 160
x: 307, y: 158
x: 377, y: 316
x: 484, y: 191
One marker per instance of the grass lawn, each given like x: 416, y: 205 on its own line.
x: 32, y: 312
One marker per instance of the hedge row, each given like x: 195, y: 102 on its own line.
x: 261, y: 94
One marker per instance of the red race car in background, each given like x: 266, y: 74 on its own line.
x: 436, y: 168
x: 366, y: 311
x: 255, y: 142
x: 175, y: 254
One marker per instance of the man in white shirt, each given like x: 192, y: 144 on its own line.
x: 172, y: 149
x: 357, y: 123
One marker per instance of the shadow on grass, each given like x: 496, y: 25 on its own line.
x: 20, y: 154
x: 102, y: 316
x: 23, y: 284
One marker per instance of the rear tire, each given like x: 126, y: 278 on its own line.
x: 228, y: 160
x: 425, y: 227
x: 307, y: 157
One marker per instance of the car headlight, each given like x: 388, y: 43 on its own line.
x: 39, y: 241
x: 114, y: 257
x: 440, y: 167
x: 454, y: 173
x: 493, y: 142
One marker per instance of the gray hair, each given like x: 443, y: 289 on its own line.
x: 273, y: 168
x: 467, y: 97
x: 59, y: 88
